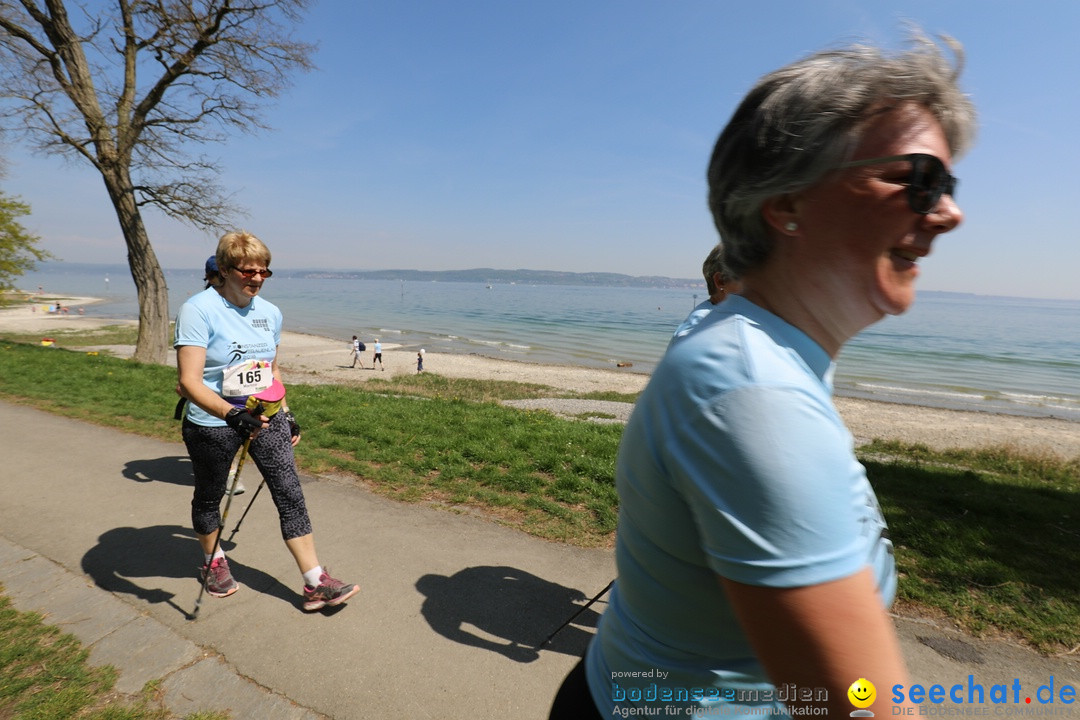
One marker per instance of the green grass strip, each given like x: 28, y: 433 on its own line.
x: 552, y: 476
x: 988, y: 538
x: 44, y: 675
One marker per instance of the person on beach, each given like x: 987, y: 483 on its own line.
x: 357, y: 348
x: 226, y: 352
x: 378, y: 355
x: 419, y: 362
x: 754, y: 565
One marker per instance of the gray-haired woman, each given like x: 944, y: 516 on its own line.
x: 754, y: 566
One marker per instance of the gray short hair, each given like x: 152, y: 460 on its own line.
x: 802, y: 120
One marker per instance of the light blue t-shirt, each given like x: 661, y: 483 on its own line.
x: 230, y: 334
x: 735, y: 463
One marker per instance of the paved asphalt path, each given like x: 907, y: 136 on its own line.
x: 95, y: 534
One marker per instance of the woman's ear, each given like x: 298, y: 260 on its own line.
x: 780, y: 214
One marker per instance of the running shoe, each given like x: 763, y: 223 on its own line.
x: 240, y: 489
x: 330, y: 591
x: 221, y: 583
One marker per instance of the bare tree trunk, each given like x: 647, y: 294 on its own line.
x: 153, y: 294
x: 216, y: 62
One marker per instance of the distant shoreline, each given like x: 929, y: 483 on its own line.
x: 470, y: 275
x: 881, y: 393
x: 307, y: 358
x: 598, y: 279
x: 609, y: 328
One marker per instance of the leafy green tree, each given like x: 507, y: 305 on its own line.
x: 138, y: 89
x: 18, y: 248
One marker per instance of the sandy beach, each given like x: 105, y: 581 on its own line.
x: 312, y: 359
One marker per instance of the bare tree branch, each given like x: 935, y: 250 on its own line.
x: 139, y: 92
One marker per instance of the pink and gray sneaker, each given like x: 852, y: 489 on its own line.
x: 221, y: 583
x: 330, y: 591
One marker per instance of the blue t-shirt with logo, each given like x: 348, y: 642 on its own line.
x: 230, y: 334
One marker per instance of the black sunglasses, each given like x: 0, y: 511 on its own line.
x: 252, y: 273
x: 929, y: 179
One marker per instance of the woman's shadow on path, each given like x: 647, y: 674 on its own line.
x: 506, y: 610
x: 127, y: 553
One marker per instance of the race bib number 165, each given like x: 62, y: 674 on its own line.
x: 247, y: 378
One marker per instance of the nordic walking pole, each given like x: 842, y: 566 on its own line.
x: 224, y: 514
x: 575, y: 615
x: 241, y: 520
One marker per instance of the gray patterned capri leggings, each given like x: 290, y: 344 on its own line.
x: 212, y: 450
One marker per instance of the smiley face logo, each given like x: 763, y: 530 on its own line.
x: 862, y: 693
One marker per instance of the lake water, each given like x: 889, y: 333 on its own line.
x: 999, y: 354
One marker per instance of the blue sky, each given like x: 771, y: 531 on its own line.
x: 573, y: 135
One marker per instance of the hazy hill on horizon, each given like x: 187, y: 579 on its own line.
x: 505, y: 277
x: 489, y: 276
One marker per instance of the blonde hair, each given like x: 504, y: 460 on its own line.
x: 239, y: 245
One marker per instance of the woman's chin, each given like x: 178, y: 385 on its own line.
x: 895, y: 290
x: 897, y: 301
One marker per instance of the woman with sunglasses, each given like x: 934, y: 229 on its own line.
x: 226, y: 353
x: 754, y: 566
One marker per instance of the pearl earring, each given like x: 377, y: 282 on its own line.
x: 791, y: 227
